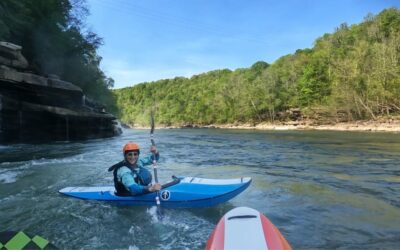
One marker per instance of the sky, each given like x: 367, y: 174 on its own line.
x: 150, y: 40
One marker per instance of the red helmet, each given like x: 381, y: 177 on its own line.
x: 130, y: 146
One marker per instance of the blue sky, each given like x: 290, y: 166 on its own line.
x: 149, y: 40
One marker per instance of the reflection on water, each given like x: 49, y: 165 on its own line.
x: 321, y: 189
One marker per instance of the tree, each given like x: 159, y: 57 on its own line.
x: 54, y: 42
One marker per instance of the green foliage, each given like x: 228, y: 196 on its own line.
x: 354, y: 71
x: 53, y: 41
x: 313, y: 84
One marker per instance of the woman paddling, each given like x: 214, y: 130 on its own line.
x: 130, y: 175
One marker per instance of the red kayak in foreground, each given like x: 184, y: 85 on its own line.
x: 246, y: 228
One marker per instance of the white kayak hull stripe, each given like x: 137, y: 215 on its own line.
x: 195, y: 180
x: 243, y: 230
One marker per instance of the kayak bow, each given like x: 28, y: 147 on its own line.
x: 246, y: 228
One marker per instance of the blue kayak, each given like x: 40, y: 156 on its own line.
x: 184, y: 192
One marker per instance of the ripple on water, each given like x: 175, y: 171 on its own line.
x: 322, y: 190
x: 368, y: 208
x: 180, y: 228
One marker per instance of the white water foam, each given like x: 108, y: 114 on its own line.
x: 10, y: 173
x: 12, y: 170
x: 152, y: 211
x: 8, y: 176
x: 44, y: 161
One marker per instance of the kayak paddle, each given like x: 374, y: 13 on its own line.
x: 159, y: 213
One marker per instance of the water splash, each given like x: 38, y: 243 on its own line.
x: 8, y: 176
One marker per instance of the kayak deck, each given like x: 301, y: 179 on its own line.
x: 187, y: 192
x: 246, y: 228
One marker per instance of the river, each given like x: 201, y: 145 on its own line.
x: 322, y: 189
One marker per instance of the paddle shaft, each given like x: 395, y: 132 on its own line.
x: 155, y: 163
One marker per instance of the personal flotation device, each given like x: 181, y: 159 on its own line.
x: 142, y: 177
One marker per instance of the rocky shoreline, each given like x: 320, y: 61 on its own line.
x: 371, y: 126
x: 381, y: 125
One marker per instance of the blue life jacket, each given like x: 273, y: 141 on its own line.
x: 142, y: 177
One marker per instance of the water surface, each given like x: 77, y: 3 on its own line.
x: 323, y: 190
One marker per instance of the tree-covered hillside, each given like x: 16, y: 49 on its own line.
x: 351, y: 74
x: 54, y: 42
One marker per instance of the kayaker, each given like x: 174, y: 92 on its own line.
x: 130, y: 175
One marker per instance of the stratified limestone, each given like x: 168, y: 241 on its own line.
x: 35, y: 108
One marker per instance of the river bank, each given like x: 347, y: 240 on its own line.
x: 373, y: 126
x: 379, y: 125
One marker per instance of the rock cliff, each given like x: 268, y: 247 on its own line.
x: 36, y: 108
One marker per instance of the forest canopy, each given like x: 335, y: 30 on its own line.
x: 351, y: 74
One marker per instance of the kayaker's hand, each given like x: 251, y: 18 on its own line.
x: 155, y: 187
x: 153, y: 149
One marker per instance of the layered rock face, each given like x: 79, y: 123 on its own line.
x: 35, y: 108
